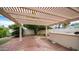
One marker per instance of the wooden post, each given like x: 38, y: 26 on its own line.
x: 46, y: 32
x: 20, y: 33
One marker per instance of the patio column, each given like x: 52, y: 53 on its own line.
x: 20, y: 33
x: 46, y: 32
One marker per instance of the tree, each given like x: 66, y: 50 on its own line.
x: 15, y: 28
x: 3, y: 32
x: 35, y: 28
x: 65, y: 24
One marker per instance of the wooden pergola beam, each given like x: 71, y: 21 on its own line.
x: 35, y: 17
x: 24, y: 21
x: 18, y: 11
x: 73, y: 9
x: 25, y: 13
x: 75, y: 19
x: 2, y: 12
x: 44, y: 12
x: 29, y: 19
x: 14, y: 19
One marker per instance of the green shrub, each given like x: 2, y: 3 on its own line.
x: 36, y: 28
x: 3, y: 41
x: 15, y: 28
x: 3, y: 32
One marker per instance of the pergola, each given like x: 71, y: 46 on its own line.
x: 40, y: 15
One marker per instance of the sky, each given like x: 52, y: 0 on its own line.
x: 5, y: 21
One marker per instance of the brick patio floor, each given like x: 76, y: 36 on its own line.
x: 31, y: 43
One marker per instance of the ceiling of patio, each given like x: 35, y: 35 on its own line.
x: 40, y: 15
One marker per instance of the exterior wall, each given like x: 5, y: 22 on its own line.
x: 67, y: 30
x: 69, y: 41
x: 28, y: 32
x: 41, y: 32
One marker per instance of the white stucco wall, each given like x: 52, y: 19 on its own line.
x: 69, y: 41
x: 28, y: 32
x: 67, y: 30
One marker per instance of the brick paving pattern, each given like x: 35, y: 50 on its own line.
x: 31, y: 43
